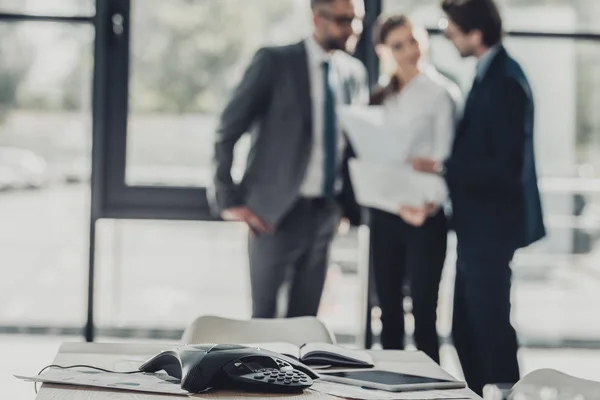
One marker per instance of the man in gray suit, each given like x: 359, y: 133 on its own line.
x: 296, y: 171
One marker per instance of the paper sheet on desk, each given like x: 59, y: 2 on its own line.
x: 387, y: 187
x: 151, y: 383
x: 358, y: 393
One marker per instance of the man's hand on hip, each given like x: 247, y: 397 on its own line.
x: 244, y: 214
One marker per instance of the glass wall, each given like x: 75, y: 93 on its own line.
x: 556, y: 281
x: 519, y: 15
x: 186, y: 57
x: 45, y: 144
x: 49, y: 7
x: 163, y: 274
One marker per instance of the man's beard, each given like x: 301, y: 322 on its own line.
x: 331, y: 44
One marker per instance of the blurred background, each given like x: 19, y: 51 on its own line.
x: 71, y: 102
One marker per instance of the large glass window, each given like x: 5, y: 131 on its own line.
x: 564, y: 16
x: 164, y: 274
x: 48, y: 7
x: 185, y: 59
x: 174, y: 271
x: 45, y: 143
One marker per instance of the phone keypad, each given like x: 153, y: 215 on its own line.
x: 285, y: 376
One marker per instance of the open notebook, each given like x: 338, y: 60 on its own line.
x: 321, y: 354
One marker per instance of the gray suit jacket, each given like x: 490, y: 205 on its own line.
x: 272, y: 102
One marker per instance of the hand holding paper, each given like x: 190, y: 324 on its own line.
x: 422, y: 164
x: 384, y: 176
x: 390, y: 187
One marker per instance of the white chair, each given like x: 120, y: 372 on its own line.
x: 560, y: 384
x: 297, y: 331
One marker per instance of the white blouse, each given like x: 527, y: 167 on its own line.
x: 424, y: 115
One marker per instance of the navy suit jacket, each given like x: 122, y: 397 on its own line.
x: 491, y: 172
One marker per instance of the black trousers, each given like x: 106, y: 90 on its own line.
x: 484, y: 338
x: 401, y: 254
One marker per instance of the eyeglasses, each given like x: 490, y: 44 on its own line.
x: 341, y: 20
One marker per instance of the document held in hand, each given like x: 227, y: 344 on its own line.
x: 372, y: 137
x: 381, y: 175
x: 387, y: 187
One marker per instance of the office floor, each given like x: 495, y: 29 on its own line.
x: 29, y: 354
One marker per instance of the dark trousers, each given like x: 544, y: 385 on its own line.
x: 401, y: 252
x: 297, y: 251
x: 484, y: 338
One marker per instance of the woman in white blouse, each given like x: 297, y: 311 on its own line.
x: 422, y: 104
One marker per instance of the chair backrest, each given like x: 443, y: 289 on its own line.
x: 297, y: 331
x: 532, y: 384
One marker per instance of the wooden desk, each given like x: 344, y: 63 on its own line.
x: 125, y: 357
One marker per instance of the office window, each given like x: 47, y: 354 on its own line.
x: 587, y: 14
x: 186, y: 57
x: 49, y: 7
x: 163, y: 274
x: 559, y: 16
x: 45, y: 141
x: 426, y: 12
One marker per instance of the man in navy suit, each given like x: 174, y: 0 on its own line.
x: 492, y: 181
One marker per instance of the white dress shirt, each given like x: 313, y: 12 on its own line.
x: 313, y: 183
x: 425, y: 112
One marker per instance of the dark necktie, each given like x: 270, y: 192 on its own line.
x: 329, y: 136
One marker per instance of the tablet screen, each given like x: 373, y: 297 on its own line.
x: 384, y: 377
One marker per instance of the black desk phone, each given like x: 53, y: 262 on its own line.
x: 233, y: 367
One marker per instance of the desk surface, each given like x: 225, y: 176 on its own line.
x: 129, y: 356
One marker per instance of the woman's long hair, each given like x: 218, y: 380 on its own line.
x: 384, y: 26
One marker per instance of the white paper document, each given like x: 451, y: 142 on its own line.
x: 372, y: 136
x: 152, y: 383
x: 381, y: 176
x: 388, y: 187
x: 358, y: 393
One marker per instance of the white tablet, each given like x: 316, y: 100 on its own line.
x: 389, y: 381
